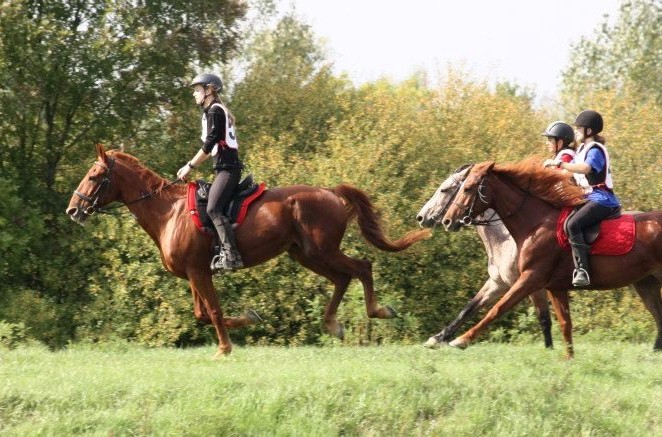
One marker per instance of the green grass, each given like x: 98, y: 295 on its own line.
x: 495, y: 389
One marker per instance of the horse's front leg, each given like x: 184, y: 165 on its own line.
x: 561, y: 306
x: 250, y: 317
x: 525, y: 285
x: 488, y: 294
x: 208, y: 307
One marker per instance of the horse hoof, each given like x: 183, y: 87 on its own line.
x: 254, y: 316
x: 340, y: 332
x: 432, y: 343
x: 457, y: 343
x: 391, y: 312
x: 220, y: 355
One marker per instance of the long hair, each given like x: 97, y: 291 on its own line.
x: 218, y: 99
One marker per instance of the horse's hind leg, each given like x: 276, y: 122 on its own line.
x: 649, y: 291
x: 340, y: 280
x: 361, y: 269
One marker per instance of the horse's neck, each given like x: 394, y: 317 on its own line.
x: 151, y: 213
x: 520, y: 212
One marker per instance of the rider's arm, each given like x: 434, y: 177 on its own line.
x: 595, y: 161
x: 582, y: 168
x: 199, y: 158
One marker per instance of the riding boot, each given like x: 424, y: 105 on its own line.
x: 228, y: 257
x: 580, y: 277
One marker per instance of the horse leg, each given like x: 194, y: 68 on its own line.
x: 520, y: 289
x: 541, y: 304
x: 649, y: 291
x: 339, y: 279
x: 488, y: 294
x: 199, y: 307
x: 361, y: 269
x: 203, y: 286
x: 249, y: 318
x: 561, y: 306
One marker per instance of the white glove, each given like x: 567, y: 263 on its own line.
x: 184, y: 171
x: 552, y: 163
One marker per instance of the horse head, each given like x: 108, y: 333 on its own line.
x: 95, y: 190
x: 466, y: 207
x: 435, y: 208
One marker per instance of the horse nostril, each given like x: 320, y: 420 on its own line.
x: 419, y: 218
x: 72, y: 211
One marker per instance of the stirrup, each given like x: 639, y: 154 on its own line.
x: 223, y: 262
x: 580, y: 278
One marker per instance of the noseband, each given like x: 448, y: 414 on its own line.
x: 468, y: 219
x: 458, y: 184
x: 100, y: 190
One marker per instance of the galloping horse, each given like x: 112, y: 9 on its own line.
x: 501, y: 261
x: 307, y: 222
x: 528, y: 199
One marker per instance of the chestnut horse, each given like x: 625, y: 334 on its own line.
x: 502, y: 267
x: 528, y: 199
x: 307, y: 222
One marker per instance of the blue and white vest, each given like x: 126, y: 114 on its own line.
x: 582, y: 179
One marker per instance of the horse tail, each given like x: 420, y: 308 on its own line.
x: 369, y: 221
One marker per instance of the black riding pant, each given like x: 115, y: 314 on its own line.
x: 587, y: 215
x: 221, y: 191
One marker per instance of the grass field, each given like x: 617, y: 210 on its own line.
x: 488, y: 389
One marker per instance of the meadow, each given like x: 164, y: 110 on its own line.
x: 610, y: 388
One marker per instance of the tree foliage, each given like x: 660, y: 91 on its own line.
x: 625, y: 53
x: 76, y: 73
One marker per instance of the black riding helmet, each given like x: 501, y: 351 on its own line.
x: 590, y: 119
x: 208, y: 79
x: 559, y: 129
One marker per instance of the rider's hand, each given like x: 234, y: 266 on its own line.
x: 184, y: 171
x: 552, y: 163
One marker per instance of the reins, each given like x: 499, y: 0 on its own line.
x: 139, y: 199
x: 93, y: 199
x: 469, y: 220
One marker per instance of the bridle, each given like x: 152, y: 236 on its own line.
x: 468, y: 219
x: 102, y: 188
x: 458, y: 184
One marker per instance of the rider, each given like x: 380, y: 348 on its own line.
x: 591, y: 170
x: 220, y: 141
x: 560, y: 141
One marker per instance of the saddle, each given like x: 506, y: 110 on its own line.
x: 245, y: 193
x: 612, y: 236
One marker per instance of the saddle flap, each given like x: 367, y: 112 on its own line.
x: 614, y: 236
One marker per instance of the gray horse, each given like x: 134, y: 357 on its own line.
x: 501, y: 261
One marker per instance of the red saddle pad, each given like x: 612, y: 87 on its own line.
x: 616, y: 235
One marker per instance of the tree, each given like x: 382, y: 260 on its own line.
x: 629, y: 52
x: 74, y: 73
x: 288, y: 93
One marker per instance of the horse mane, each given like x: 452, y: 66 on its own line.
x: 151, y: 178
x: 550, y: 185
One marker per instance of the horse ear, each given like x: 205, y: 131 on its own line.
x: 101, y: 153
x: 484, y: 167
